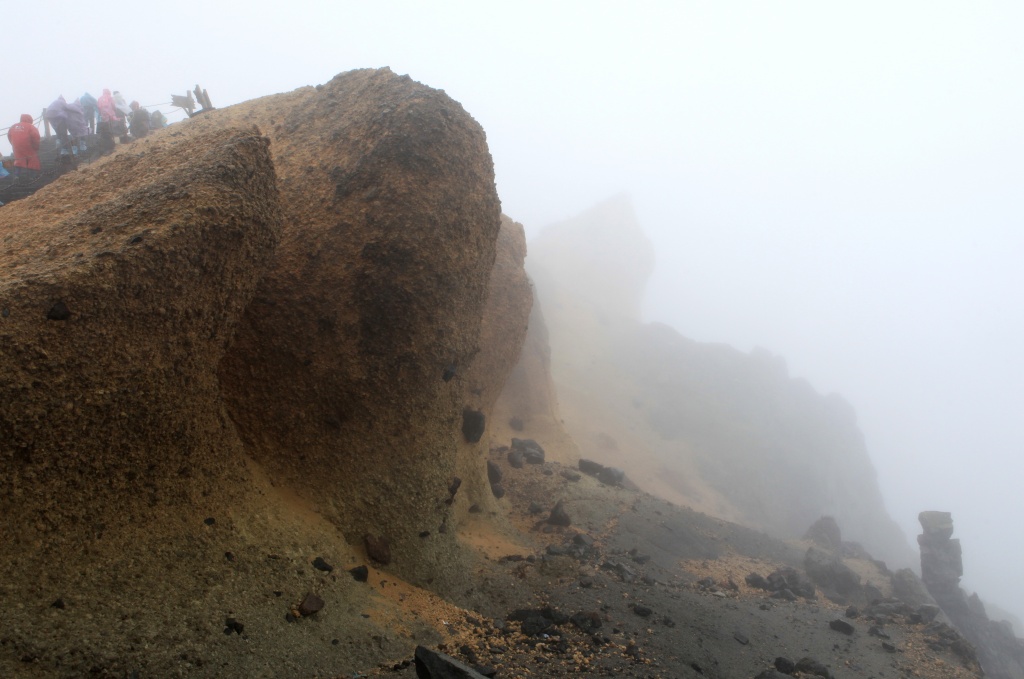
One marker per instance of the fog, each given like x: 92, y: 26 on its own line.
x: 838, y: 183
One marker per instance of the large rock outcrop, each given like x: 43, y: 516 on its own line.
x: 231, y: 348
x: 336, y: 378
x: 121, y: 289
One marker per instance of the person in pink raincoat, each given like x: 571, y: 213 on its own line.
x: 105, y: 105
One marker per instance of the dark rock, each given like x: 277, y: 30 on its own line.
x: 852, y: 612
x: 536, y: 508
x: 534, y: 625
x: 532, y: 451
x: 586, y: 582
x: 232, y: 625
x: 937, y: 526
x: 515, y: 459
x: 888, y: 647
x: 793, y: 580
x: 583, y: 540
x: 516, y: 423
x: 668, y: 622
x: 321, y: 565
x: 837, y: 580
x: 449, y: 372
x: 876, y: 631
x: 841, y: 625
x: 485, y: 670
x: 378, y: 548
x: 642, y: 611
x: 610, y: 476
x: 454, y: 486
x: 785, y: 665
x: 590, y: 467
x: 436, y: 665
x: 473, y: 425
x: 825, y: 532
x: 641, y: 558
x: 59, y: 603
x: 360, y: 573
x: 559, y: 517
x: 494, y: 472
x: 587, y: 621
x: 209, y: 521
x: 813, y: 667
x: 740, y: 637
x: 785, y: 595
x: 758, y: 581
x: 310, y: 604
x: 58, y: 312
x: 474, y: 509
x: 497, y: 490
x: 770, y: 674
x: 570, y: 475
x: 625, y: 572
x: 424, y: 533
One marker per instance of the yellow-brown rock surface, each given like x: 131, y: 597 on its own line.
x: 120, y: 288
x: 335, y: 380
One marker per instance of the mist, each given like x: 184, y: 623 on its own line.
x: 839, y: 185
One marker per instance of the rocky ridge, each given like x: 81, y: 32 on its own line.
x: 254, y: 424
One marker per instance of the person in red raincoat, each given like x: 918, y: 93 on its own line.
x: 24, y: 138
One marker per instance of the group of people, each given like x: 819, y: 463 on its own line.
x: 108, y: 118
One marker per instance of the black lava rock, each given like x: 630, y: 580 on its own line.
x: 494, y: 473
x: 841, y: 625
x: 321, y: 565
x: 360, y: 573
x: 559, y: 517
x: 436, y: 665
x: 473, y: 425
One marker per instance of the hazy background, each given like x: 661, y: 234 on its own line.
x: 840, y: 183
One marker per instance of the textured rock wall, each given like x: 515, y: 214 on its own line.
x: 503, y: 330
x: 335, y: 380
x: 120, y: 287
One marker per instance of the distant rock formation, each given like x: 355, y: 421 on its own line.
x: 702, y: 424
x: 1000, y: 653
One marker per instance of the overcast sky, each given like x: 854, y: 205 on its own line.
x: 839, y: 183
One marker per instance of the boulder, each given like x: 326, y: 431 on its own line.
x: 436, y: 665
x: 825, y: 533
x: 937, y: 526
x: 837, y: 580
x: 531, y: 451
x: 335, y: 379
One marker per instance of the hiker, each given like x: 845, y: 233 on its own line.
x: 106, y: 108
x: 139, y: 120
x: 157, y: 120
x: 24, y: 138
x: 123, y: 111
x: 57, y: 115
x: 78, y: 128
x: 90, y: 110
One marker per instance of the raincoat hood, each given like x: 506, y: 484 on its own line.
x: 26, y: 118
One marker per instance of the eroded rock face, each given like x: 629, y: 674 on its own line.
x: 120, y: 288
x: 336, y: 377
